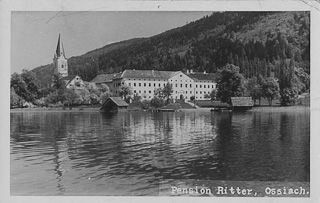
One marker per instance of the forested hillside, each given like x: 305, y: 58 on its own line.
x: 258, y: 42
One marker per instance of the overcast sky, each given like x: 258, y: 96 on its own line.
x: 34, y: 35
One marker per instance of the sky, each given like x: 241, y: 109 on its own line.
x: 34, y: 35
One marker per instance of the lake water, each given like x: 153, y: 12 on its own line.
x: 127, y: 153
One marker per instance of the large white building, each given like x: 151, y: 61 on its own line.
x: 145, y: 82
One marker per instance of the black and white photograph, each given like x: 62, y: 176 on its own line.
x: 159, y: 100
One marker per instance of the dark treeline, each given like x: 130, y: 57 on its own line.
x: 212, y: 42
x: 257, y: 42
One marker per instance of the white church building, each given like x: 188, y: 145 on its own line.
x: 60, y: 63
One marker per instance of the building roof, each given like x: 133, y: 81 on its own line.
x: 60, y: 49
x: 103, y: 78
x: 154, y: 74
x: 241, y: 101
x: 115, y: 100
x: 203, y: 76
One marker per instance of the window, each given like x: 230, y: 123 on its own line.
x: 144, y: 84
x: 200, y: 92
x: 139, y: 91
x: 190, y: 85
x: 190, y: 92
x: 176, y: 85
x: 129, y: 84
x: 134, y: 84
x: 196, y: 92
x: 149, y: 91
x: 196, y: 86
x: 139, y: 84
x: 134, y: 91
x: 180, y: 75
x: 200, y: 86
x: 212, y: 86
x: 204, y: 86
x: 149, y: 84
x: 159, y: 84
x: 154, y: 84
x: 180, y: 85
x: 186, y: 85
x: 145, y: 91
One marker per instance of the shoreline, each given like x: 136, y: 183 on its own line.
x: 93, y: 109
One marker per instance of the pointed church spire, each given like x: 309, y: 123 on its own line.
x: 60, y: 50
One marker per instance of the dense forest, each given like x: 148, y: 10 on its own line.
x: 267, y: 52
x: 257, y: 42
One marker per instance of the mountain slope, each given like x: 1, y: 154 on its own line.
x: 254, y: 41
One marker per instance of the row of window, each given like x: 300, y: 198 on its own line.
x: 204, y: 92
x: 186, y: 85
x: 145, y: 84
x: 176, y: 97
x: 170, y: 80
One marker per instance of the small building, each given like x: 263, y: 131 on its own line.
x: 73, y: 81
x: 241, y: 103
x: 114, y: 104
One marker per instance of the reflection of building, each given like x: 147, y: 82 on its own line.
x: 145, y: 82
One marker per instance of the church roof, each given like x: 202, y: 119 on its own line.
x: 60, y: 49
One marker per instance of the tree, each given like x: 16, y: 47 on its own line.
x: 57, y: 82
x: 31, y: 84
x: 159, y: 93
x: 254, y: 88
x: 230, y: 83
x: 270, y: 89
x: 83, y: 95
x: 167, y: 91
x: 15, y: 100
x: 287, y: 85
x: 125, y: 91
x: 19, y: 86
x: 70, y: 96
x: 213, y: 94
x: 156, y: 102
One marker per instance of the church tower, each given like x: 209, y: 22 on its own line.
x: 60, y: 61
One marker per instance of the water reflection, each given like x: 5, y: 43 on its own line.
x: 129, y: 153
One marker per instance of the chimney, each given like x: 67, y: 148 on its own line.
x: 187, y: 71
x: 204, y: 72
x: 191, y: 71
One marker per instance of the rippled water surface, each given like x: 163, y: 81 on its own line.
x: 93, y: 153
